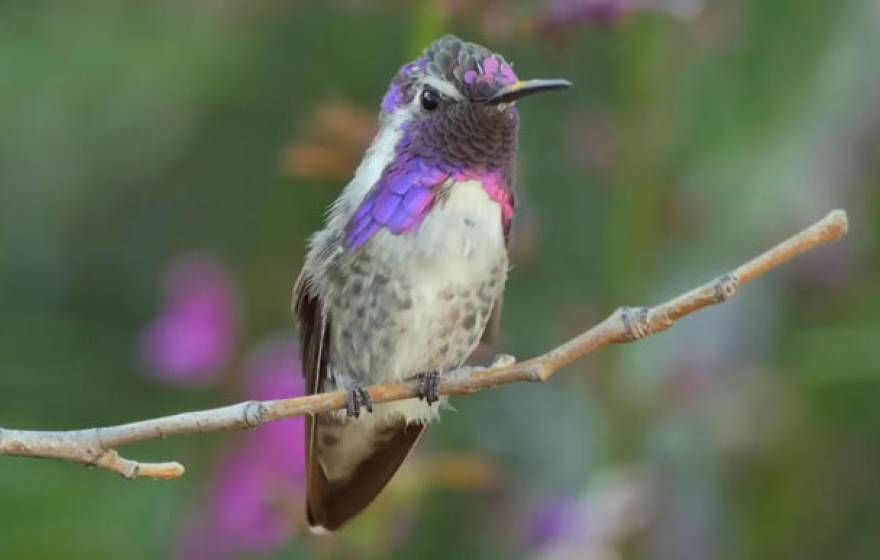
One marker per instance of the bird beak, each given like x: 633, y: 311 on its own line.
x: 526, y: 87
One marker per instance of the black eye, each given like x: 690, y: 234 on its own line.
x: 430, y: 99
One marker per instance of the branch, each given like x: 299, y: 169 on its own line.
x: 97, y: 446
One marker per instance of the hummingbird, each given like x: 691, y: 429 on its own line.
x: 408, y: 273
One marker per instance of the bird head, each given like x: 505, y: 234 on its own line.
x: 457, y: 104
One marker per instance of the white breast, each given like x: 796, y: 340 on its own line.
x: 461, y: 238
x: 458, y: 245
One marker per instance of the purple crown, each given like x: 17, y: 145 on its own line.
x: 474, y: 70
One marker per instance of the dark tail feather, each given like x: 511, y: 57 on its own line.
x: 331, y: 504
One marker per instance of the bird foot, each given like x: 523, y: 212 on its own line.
x: 429, y: 387
x: 358, y: 397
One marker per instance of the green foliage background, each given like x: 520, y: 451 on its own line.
x: 134, y: 132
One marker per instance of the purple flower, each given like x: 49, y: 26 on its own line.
x: 589, y: 525
x: 194, y: 335
x: 566, y: 13
x: 554, y: 521
x: 573, y: 12
x: 257, y: 499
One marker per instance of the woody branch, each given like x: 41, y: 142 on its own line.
x: 97, y: 446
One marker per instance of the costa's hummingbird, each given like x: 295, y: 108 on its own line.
x: 410, y: 267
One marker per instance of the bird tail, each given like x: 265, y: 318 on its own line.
x: 349, y: 464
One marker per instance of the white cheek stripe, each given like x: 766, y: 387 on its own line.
x: 443, y: 87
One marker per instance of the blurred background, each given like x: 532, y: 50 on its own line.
x: 162, y: 164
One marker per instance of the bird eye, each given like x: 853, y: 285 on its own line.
x: 430, y: 99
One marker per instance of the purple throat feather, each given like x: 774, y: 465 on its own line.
x: 408, y: 187
x: 406, y: 193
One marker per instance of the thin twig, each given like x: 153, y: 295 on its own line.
x: 97, y: 446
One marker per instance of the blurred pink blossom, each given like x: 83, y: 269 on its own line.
x: 572, y: 12
x: 555, y: 520
x: 566, y: 13
x: 256, y: 502
x: 194, y: 335
x: 589, y: 526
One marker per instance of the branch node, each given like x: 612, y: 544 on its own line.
x: 635, y: 321
x: 540, y: 373
x: 255, y: 414
x: 726, y: 287
x: 502, y: 360
x: 112, y: 461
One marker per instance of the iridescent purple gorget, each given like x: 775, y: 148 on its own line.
x: 405, y: 194
x: 434, y: 150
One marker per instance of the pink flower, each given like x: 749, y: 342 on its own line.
x: 555, y: 520
x: 258, y: 496
x: 570, y: 13
x: 574, y: 12
x: 615, y: 505
x: 195, y: 334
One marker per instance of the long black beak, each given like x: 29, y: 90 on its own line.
x: 526, y: 87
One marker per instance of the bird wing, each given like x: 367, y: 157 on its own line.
x: 314, y: 332
x: 331, y: 502
x: 492, y: 332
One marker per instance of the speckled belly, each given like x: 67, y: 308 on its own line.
x: 390, y: 326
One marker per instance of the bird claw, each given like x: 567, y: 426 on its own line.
x: 358, y: 397
x: 429, y: 387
